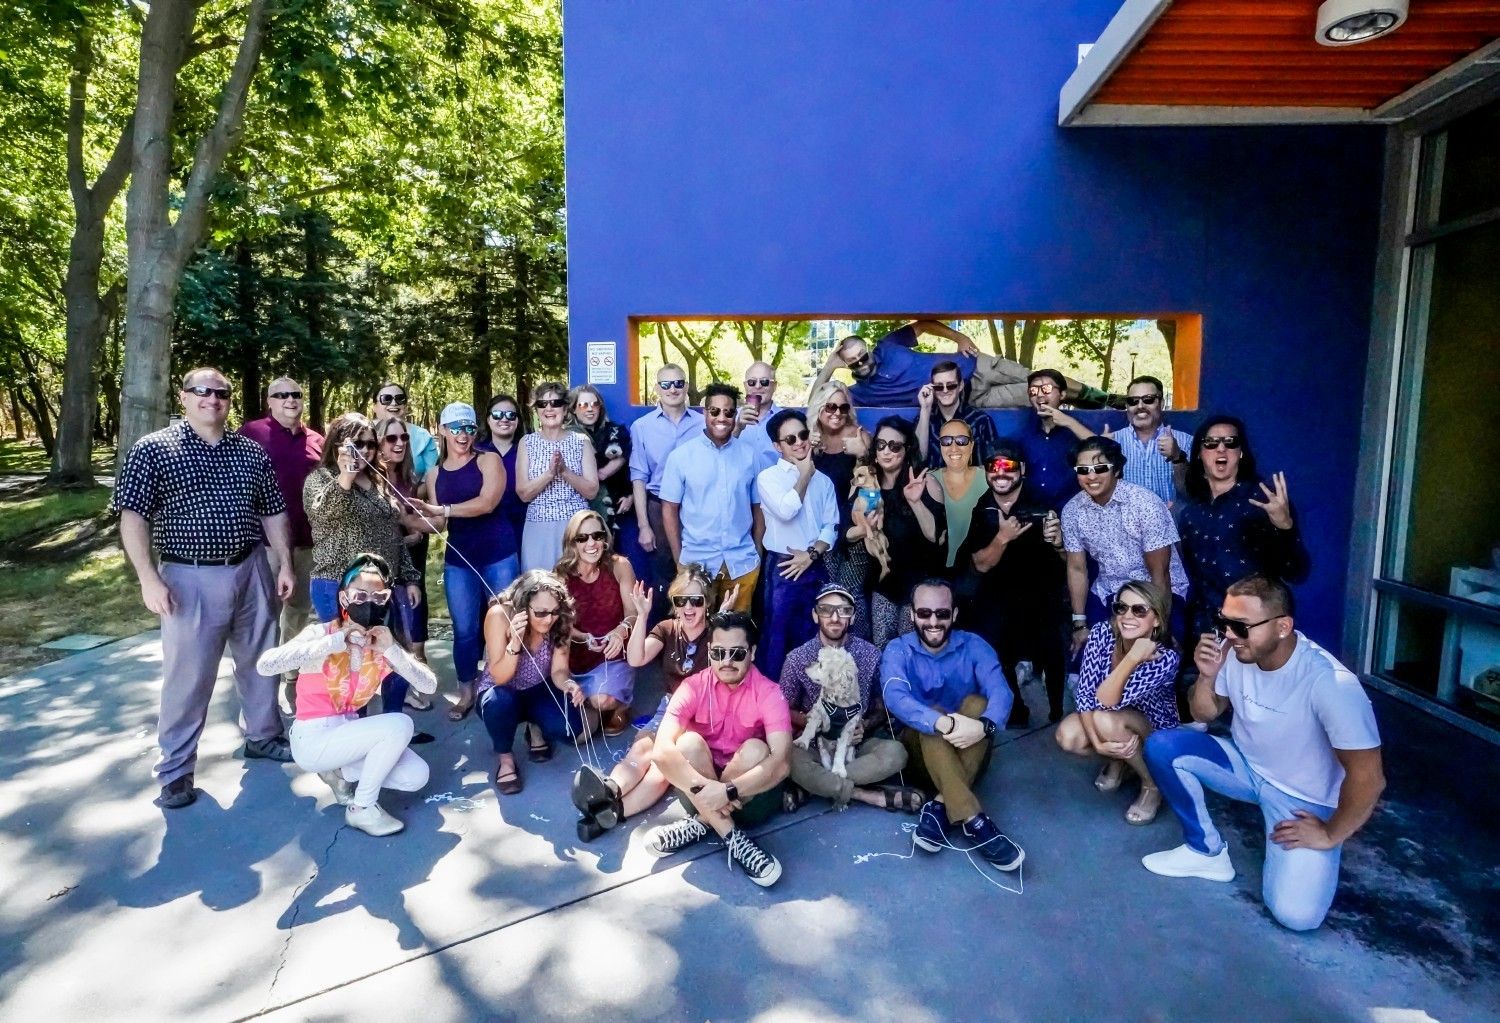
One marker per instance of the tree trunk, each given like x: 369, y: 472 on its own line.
x: 37, y: 407
x: 252, y: 397
x: 1007, y: 350
x: 15, y: 414
x: 1109, y: 354
x: 481, y: 368
x: 1168, y: 330
x: 1029, y: 331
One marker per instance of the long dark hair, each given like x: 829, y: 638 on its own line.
x: 912, y: 458
x: 523, y: 419
x: 1197, y: 479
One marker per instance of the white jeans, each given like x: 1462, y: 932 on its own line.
x: 372, y: 751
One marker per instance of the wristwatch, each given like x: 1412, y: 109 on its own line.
x: 730, y: 791
x: 989, y: 727
x: 813, y: 552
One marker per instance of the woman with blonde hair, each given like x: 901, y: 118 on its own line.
x: 839, y: 442
x: 556, y: 475
x: 1126, y: 691
x: 600, y: 582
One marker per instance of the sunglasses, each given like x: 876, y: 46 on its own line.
x: 365, y: 444
x: 395, y: 438
x: 380, y: 597
x: 944, y: 388
x: 796, y: 438
x: 689, y: 651
x: 549, y: 403
x: 222, y: 393
x: 837, y: 408
x: 1143, y: 399
x: 284, y: 395
x: 1212, y: 443
x: 598, y: 535
x: 1002, y: 465
x: 760, y: 382
x: 537, y: 612
x: 1093, y: 470
x: 1241, y: 629
x: 897, y: 446
x: 714, y: 412
x: 942, y: 614
x: 833, y: 611
x: 695, y: 599
x: 587, y: 406
x: 856, y: 363
x: 390, y: 399
x: 1121, y: 609
x: 962, y: 442
x: 671, y: 385
x: 466, y: 428
x: 728, y: 653
x: 505, y: 416
x: 1041, y: 389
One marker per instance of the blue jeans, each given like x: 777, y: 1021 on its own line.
x: 325, y: 602
x: 469, y: 596
x: 1298, y: 884
x: 503, y: 709
x: 788, y: 607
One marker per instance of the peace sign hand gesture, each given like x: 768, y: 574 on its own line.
x: 1277, y: 506
x: 915, y: 485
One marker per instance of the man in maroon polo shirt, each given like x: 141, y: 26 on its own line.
x: 295, y: 450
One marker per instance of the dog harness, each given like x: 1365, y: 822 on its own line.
x: 838, y: 718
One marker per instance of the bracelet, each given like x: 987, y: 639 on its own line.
x: 514, y: 653
x: 1080, y: 618
x: 953, y: 723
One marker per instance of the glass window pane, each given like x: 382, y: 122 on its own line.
x: 1410, y: 645
x: 1450, y: 656
x: 1471, y: 165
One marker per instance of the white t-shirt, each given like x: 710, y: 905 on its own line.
x: 1288, y: 722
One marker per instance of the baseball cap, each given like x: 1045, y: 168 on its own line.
x: 833, y: 589
x: 457, y: 412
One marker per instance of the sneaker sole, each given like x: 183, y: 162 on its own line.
x: 1221, y: 878
x: 926, y: 845
x: 663, y: 853
x: 1012, y: 865
x: 770, y: 877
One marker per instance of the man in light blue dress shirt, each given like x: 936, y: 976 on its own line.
x: 710, y: 511
x: 1155, y: 454
x: 760, y: 405
x: 653, y: 437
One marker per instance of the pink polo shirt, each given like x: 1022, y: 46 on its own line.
x: 727, y: 717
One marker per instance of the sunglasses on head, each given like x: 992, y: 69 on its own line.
x: 1002, y: 465
x: 840, y: 408
x: 897, y: 446
x: 504, y: 415
x: 284, y: 395
x: 222, y: 393
x: 467, y: 428
x: 395, y: 438
x: 950, y: 441
x: 833, y: 611
x: 600, y: 535
x: 1121, y: 609
x: 759, y: 381
x: 378, y: 597
x: 797, y: 437
x: 1038, y: 389
x: 945, y: 387
x: 1212, y: 443
x: 1142, y: 399
x: 728, y: 653
x: 1094, y: 470
x: 390, y: 399
x: 1241, y: 629
x: 695, y: 599
x: 715, y: 412
x: 549, y: 403
x: 539, y: 612
x: 671, y: 385
x: 941, y: 614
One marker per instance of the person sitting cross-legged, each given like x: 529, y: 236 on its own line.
x: 1126, y: 691
x: 1303, y: 744
x: 947, y: 688
x: 874, y: 760
x: 723, y: 744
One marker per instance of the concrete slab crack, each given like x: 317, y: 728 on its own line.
x: 296, y: 907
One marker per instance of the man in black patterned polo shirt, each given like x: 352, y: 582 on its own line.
x: 202, y: 498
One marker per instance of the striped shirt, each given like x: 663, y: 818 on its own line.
x: 1144, y: 464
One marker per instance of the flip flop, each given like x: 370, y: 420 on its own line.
x: 461, y: 709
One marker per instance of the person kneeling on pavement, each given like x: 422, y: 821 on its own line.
x: 946, y: 687
x: 874, y: 759
x: 723, y: 744
x: 341, y: 665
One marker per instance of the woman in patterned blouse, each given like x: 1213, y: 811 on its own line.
x: 556, y: 476
x: 1126, y: 691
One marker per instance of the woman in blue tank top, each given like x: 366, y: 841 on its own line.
x: 480, y: 560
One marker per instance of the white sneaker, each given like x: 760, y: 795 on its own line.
x: 1185, y: 861
x: 343, y: 790
x: 1197, y: 726
x: 372, y: 820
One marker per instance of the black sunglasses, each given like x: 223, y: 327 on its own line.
x: 1120, y: 608
x: 550, y: 612
x: 942, y: 614
x: 695, y: 599
x: 549, y: 403
x: 284, y: 395
x: 671, y: 385
x: 836, y: 408
x: 222, y: 393
x: 395, y: 438
x: 504, y: 416
x: 1212, y: 443
x: 949, y: 442
x: 1239, y: 628
x: 897, y: 446
x: 945, y: 387
x: 714, y: 412
x: 853, y: 363
x: 796, y: 438
x: 759, y: 382
x: 390, y: 399
x: 833, y: 610
x: 598, y: 534
x: 1096, y: 470
x: 1143, y: 399
x: 728, y: 653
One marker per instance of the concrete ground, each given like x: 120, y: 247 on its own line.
x: 257, y: 903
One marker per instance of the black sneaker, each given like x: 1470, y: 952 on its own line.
x: 763, y: 868
x: 669, y: 838
x: 275, y: 748
x: 932, y: 827
x: 991, y: 844
x: 177, y: 793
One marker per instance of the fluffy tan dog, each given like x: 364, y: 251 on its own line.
x: 834, y: 717
x: 865, y: 493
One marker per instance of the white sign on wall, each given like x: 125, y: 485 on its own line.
x: 601, y: 362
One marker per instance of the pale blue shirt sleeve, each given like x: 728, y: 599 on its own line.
x: 424, y: 449
x: 673, y: 482
x: 991, y: 680
x: 825, y: 509
x: 640, y: 467
x: 777, y: 491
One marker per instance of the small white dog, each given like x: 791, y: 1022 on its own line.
x: 835, y: 715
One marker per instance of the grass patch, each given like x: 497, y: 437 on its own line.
x: 54, y: 508
x: 96, y: 593
x: 28, y: 457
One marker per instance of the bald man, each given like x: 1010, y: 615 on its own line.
x: 295, y: 451
x: 760, y: 405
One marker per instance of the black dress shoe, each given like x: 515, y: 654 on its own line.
x: 275, y: 748
x: 598, y: 799
x: 588, y: 828
x: 177, y: 793
x: 418, y: 738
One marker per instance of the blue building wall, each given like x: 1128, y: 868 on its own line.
x: 884, y: 156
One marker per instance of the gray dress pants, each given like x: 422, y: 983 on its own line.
x: 214, y: 606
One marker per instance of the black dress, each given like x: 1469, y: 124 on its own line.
x: 848, y: 561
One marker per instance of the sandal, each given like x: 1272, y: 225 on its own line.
x: 793, y: 796
x: 1110, y: 776
x: 538, y: 753
x: 465, y: 704
x: 1139, y: 816
x: 417, y: 701
x: 902, y: 798
x: 507, y: 781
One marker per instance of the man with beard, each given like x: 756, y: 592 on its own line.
x: 1014, y: 570
x: 946, y: 687
x: 889, y: 373
x: 1303, y: 744
x: 1155, y: 454
x: 875, y: 760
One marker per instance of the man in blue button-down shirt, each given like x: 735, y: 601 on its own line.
x: 653, y: 437
x: 710, y: 510
x: 947, y: 688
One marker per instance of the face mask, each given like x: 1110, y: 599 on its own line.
x: 366, y: 615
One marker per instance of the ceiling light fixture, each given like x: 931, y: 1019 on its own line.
x: 1347, y: 22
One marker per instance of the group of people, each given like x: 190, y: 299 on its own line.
x: 755, y: 552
